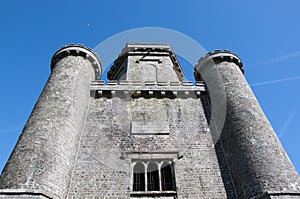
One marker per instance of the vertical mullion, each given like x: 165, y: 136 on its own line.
x: 146, y: 178
x: 159, y: 176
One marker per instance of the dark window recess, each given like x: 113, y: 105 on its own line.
x: 139, y: 177
x: 152, y: 177
x: 167, y: 177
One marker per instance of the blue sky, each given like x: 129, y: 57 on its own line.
x: 265, y: 34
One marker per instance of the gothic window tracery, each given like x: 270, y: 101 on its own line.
x: 153, y: 176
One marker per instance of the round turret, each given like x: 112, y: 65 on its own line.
x: 254, y: 155
x: 43, y: 160
x: 79, y: 50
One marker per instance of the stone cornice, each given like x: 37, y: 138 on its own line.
x: 148, y: 89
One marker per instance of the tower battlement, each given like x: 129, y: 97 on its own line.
x: 78, y: 50
x: 216, y: 57
x: 135, y: 57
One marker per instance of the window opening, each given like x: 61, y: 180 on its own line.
x: 139, y: 177
x: 152, y: 176
x: 167, y: 176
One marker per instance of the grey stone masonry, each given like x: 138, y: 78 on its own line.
x: 140, y: 118
x: 147, y: 133
x: 146, y: 62
x: 103, y: 165
x: 43, y: 158
x: 254, y: 155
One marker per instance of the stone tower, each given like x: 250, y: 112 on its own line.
x: 147, y: 133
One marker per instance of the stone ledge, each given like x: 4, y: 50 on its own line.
x: 146, y: 83
x: 143, y: 155
x: 24, y: 192
x: 276, y: 193
x: 125, y: 93
x: 131, y: 89
x: 165, y: 194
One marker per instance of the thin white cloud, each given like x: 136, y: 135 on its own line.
x: 274, y: 81
x: 278, y: 59
x: 287, y: 123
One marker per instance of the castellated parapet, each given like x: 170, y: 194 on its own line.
x: 147, y: 133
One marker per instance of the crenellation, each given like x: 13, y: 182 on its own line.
x: 78, y: 50
x: 147, y: 93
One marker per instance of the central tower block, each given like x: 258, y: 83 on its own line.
x: 147, y: 62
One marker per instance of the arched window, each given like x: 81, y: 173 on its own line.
x: 139, y: 177
x: 167, y: 176
x: 152, y: 176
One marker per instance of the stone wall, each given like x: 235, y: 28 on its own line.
x: 100, y: 169
x: 83, y: 136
